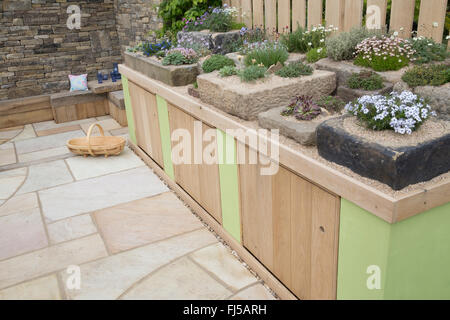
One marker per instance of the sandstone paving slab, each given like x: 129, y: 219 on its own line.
x: 49, y: 125
x: 47, y: 142
x: 71, y: 228
x: 45, y: 175
x: 180, y: 280
x: 57, y: 130
x: 97, y: 193
x: 45, y: 288
x: 27, y: 133
x: 144, y: 221
x: 107, y: 124
x: 7, y: 154
x: 120, y: 132
x: 50, y: 259
x: 219, y: 261
x: 111, y: 277
x: 20, y: 203
x: 9, y: 134
x: 84, y: 168
x: 21, y: 232
x: 255, y: 292
x: 44, y: 154
x: 11, y: 180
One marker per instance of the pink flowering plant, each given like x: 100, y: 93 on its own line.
x: 384, y: 53
x: 179, y: 56
x: 402, y: 112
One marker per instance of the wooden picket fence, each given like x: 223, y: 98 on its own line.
x: 285, y: 15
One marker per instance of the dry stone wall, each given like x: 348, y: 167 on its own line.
x: 38, y: 50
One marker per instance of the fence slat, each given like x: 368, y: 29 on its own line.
x: 402, y: 17
x: 334, y: 13
x: 270, y: 7
x: 237, y: 4
x: 258, y: 14
x: 298, y: 14
x: 247, y: 12
x: 376, y: 14
x: 432, y: 19
x: 353, y: 14
x: 284, y: 16
x: 315, y: 10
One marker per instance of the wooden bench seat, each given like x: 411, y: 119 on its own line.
x: 76, y: 105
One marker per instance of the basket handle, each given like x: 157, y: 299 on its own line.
x: 89, y: 136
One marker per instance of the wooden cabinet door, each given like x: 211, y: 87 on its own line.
x: 201, y: 181
x: 291, y: 226
x: 145, y: 113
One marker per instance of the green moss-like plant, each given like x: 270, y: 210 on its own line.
x: 227, y: 71
x: 366, y: 80
x: 294, y: 70
x: 433, y: 75
x: 216, y: 62
x: 252, y: 73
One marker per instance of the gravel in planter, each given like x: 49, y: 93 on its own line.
x: 247, y: 100
x: 395, y: 160
x: 151, y: 67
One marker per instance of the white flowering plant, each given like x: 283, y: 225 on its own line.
x: 402, y: 112
x: 302, y: 40
x: 384, y: 53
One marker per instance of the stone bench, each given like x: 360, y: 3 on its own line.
x: 76, y: 105
x: 116, y: 103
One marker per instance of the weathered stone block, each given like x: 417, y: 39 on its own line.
x: 396, y: 166
x: 344, y: 70
x: 217, y: 42
x: 247, y: 100
x: 304, y: 132
x: 438, y: 96
x: 348, y: 94
x: 152, y: 68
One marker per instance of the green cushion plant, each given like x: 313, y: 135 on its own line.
x: 331, y: 104
x: 216, y: 62
x: 433, y: 75
x: 294, y: 70
x: 252, y: 73
x: 228, y: 71
x: 365, y: 80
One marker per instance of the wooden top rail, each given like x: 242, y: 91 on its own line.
x: 369, y: 198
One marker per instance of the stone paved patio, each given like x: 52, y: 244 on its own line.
x: 113, y: 217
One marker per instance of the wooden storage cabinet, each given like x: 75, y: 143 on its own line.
x: 145, y: 114
x: 201, y: 181
x: 291, y: 226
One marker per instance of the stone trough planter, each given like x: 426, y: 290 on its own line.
x: 153, y: 68
x: 217, y: 42
x: 304, y: 132
x: 247, y: 100
x: 347, y: 94
x: 398, y: 164
x: 344, y: 70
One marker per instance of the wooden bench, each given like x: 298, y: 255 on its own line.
x: 76, y: 105
x: 21, y: 111
x: 116, y: 104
